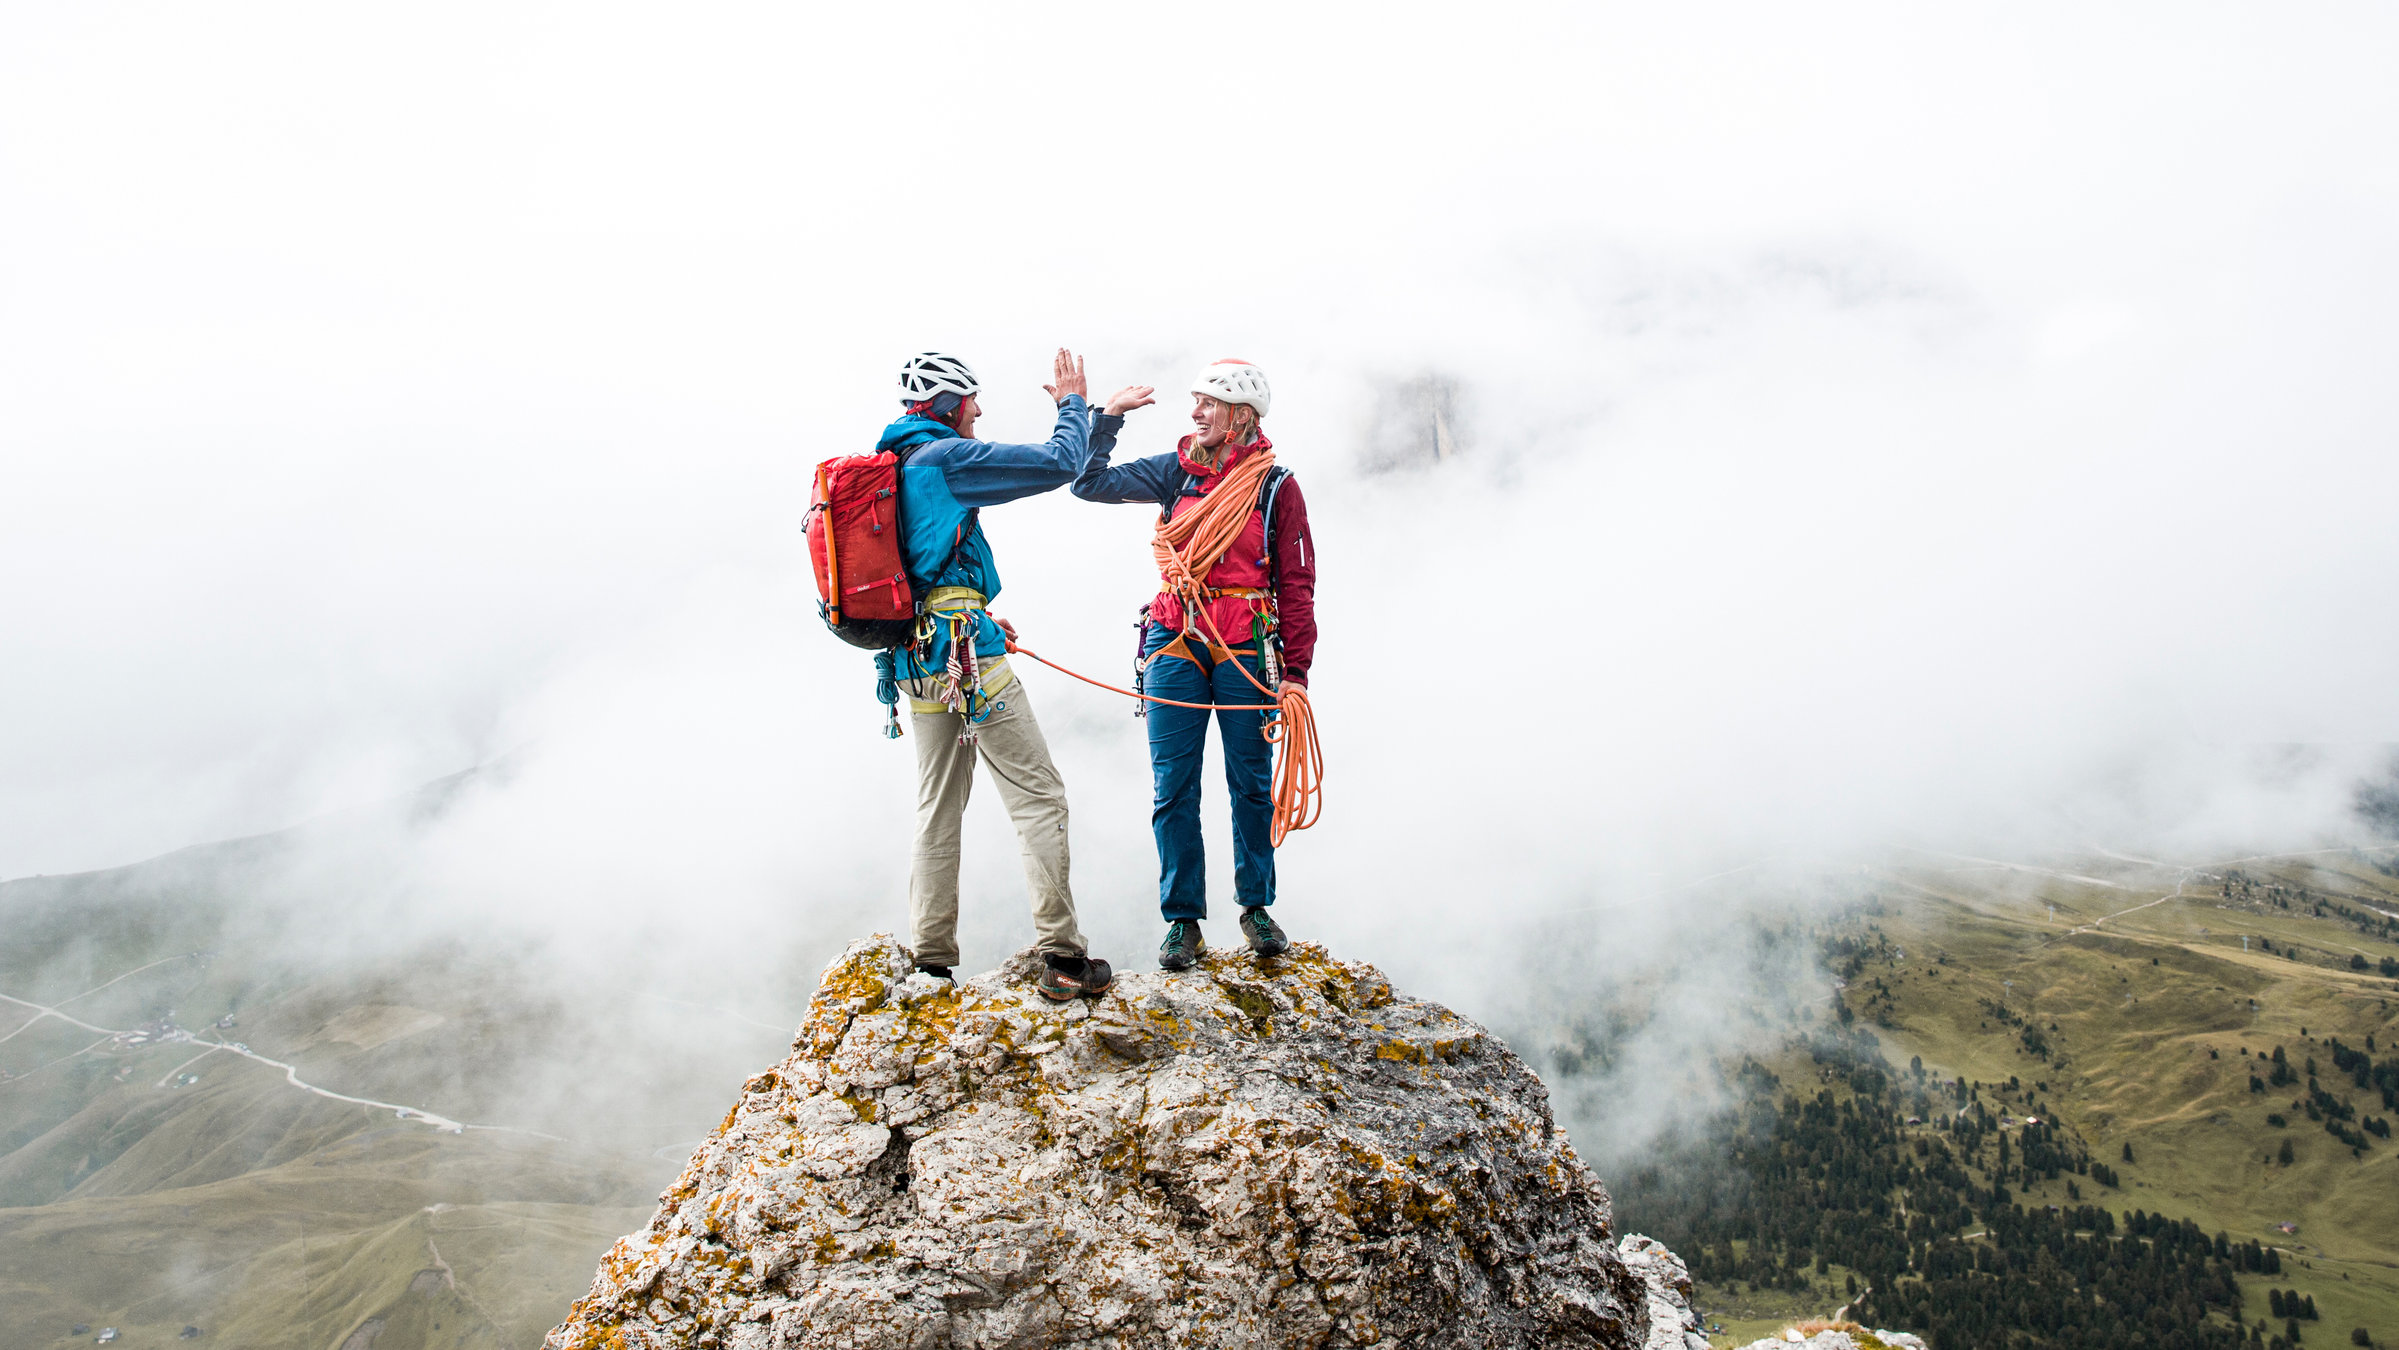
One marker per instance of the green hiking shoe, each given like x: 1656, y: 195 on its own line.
x: 1264, y: 934
x: 1182, y: 948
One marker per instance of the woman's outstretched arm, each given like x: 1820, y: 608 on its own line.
x: 1154, y: 479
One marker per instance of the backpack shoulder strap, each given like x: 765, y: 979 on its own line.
x: 1190, y: 488
x: 1275, y: 478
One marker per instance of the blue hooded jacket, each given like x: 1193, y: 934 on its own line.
x: 942, y: 478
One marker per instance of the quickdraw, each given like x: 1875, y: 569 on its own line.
x: 960, y: 685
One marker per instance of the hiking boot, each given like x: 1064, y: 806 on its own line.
x: 937, y: 972
x: 1066, y: 978
x: 1264, y: 934
x: 1182, y: 948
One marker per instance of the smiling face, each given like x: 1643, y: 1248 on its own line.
x: 1215, y: 422
x: 963, y: 421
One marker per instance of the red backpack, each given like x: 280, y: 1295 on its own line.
x: 854, y: 539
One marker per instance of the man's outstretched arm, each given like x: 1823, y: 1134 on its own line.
x: 984, y: 473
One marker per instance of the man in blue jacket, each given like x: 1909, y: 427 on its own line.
x: 962, y: 696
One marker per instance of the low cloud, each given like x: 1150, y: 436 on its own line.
x: 1836, y: 439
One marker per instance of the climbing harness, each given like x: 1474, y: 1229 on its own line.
x: 960, y: 688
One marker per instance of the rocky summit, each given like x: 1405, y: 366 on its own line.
x: 1282, y: 1152
x: 1837, y: 1336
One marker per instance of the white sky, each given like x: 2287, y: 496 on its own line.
x: 1882, y: 418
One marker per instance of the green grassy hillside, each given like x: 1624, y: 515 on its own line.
x: 2118, y: 1002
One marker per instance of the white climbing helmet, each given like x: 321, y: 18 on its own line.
x: 1235, y: 381
x: 928, y: 373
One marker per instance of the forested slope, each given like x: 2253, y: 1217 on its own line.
x: 2131, y: 1106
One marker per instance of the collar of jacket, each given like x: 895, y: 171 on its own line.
x: 1223, y: 465
x: 912, y: 431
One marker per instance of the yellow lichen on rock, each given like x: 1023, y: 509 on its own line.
x: 1226, y: 1156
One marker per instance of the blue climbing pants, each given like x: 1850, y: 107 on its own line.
x: 1178, y: 736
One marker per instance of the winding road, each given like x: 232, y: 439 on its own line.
x: 291, y: 1075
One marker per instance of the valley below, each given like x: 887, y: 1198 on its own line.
x: 2099, y: 1100
x: 2023, y: 1065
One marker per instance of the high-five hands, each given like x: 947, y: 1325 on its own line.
x: 1128, y: 398
x: 1069, y: 378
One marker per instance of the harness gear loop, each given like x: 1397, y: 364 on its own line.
x: 1141, y: 665
x: 959, y: 687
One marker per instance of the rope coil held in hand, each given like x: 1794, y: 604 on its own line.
x: 1205, y: 534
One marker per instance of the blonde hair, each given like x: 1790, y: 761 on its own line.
x: 1235, y: 433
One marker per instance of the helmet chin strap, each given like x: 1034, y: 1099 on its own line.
x: 931, y: 407
x: 1231, y: 438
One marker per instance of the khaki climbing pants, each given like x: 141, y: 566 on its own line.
x: 1018, y: 758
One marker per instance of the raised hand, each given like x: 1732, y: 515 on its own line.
x: 1069, y: 378
x: 1128, y: 398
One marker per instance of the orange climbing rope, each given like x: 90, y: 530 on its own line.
x: 1187, y: 546
x: 1299, y: 760
x: 1298, y: 765
x: 1016, y: 648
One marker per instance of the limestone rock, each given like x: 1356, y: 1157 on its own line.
x: 1672, y: 1324
x: 1859, y: 1339
x: 1280, y: 1153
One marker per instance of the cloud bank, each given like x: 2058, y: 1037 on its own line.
x: 1887, y: 426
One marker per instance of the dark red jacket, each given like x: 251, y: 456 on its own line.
x: 1163, y: 479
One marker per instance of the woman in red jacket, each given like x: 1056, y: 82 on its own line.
x: 1253, y: 629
